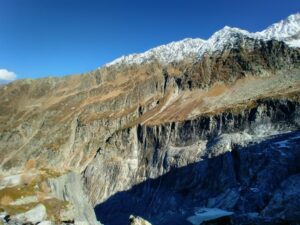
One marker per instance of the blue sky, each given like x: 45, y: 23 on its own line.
x: 59, y: 37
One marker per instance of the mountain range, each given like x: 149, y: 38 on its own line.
x: 191, y: 132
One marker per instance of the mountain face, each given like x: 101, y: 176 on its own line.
x: 192, y: 132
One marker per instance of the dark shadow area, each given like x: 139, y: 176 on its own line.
x: 243, y: 180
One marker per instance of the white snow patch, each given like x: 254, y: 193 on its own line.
x: 294, y: 43
x: 204, y: 214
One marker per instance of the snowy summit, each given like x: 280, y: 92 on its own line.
x: 287, y: 30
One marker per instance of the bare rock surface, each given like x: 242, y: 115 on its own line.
x: 69, y: 188
x: 35, y: 215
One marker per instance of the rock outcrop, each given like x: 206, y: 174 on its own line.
x: 137, y: 221
x: 33, y: 216
x: 46, y: 197
x: 70, y: 188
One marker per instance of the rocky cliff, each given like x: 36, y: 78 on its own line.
x: 172, y: 135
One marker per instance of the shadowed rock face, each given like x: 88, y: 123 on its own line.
x: 195, y: 133
x: 135, y: 154
x: 247, y: 179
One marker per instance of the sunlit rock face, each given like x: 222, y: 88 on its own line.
x: 165, y: 135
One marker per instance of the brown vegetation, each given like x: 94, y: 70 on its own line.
x: 6, y: 200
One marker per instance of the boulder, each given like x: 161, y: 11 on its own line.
x: 34, y: 215
x: 67, y: 214
x: 137, y: 221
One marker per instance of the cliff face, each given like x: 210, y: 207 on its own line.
x: 172, y: 138
x: 202, y: 158
x: 133, y: 155
x: 252, y: 181
x: 59, y: 118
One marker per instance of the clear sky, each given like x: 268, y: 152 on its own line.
x: 39, y: 38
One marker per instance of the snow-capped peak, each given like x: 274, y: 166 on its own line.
x: 283, y: 29
x: 225, y: 31
x: 287, y: 30
x: 173, y: 51
x: 224, y: 36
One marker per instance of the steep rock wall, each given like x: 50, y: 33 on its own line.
x: 136, y: 154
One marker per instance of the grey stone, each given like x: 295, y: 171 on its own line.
x: 34, y: 215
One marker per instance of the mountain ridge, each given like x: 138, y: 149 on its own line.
x: 178, y: 50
